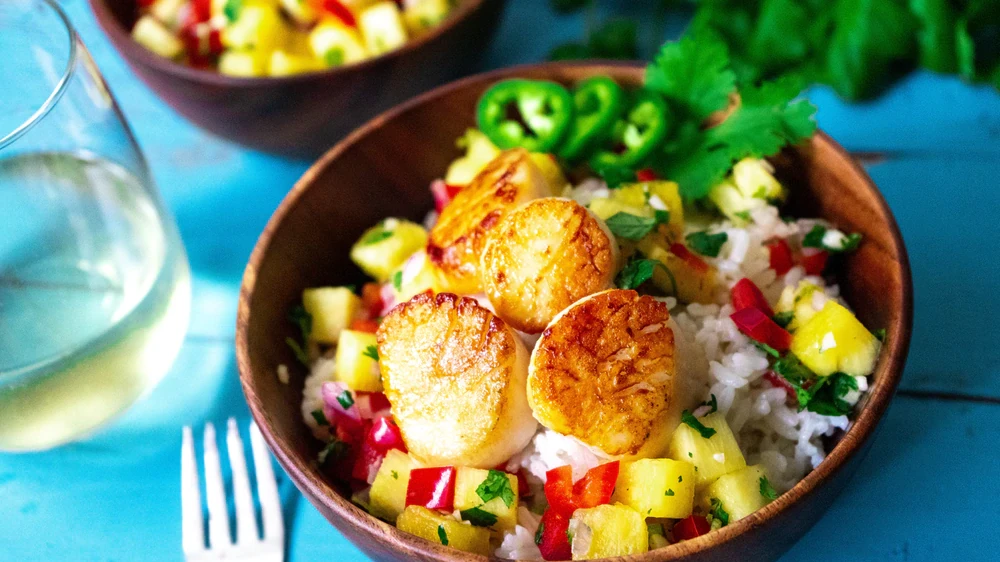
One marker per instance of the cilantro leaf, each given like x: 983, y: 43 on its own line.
x: 880, y: 334
x: 638, y: 271
x: 346, y: 400
x: 693, y: 75
x: 632, y: 227
x: 376, y: 236
x: 718, y: 512
x: 828, y: 398
x: 334, y: 57
x: 668, y: 493
x: 478, y: 517
x: 231, y: 9
x: 767, y: 490
x: 371, y: 351
x: 766, y: 349
x: 688, y: 418
x: 540, y: 533
x: 713, y: 403
x: 707, y: 244
x: 442, y: 535
x: 299, y: 352
x: 298, y: 316
x: 785, y: 318
x: 615, y: 176
x: 334, y: 450
x: 496, y: 485
x: 320, y: 418
x: 814, y: 238
x: 397, y: 281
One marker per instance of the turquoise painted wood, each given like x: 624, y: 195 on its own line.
x: 926, y: 493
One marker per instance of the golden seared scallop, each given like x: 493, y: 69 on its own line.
x: 544, y: 256
x: 455, y: 375
x: 459, y: 236
x: 604, y: 372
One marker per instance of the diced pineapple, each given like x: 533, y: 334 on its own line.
x: 154, y: 36
x: 283, y: 63
x: 799, y: 301
x: 657, y: 487
x: 642, y: 199
x: 354, y: 363
x: 739, y: 492
x: 418, y: 274
x: 382, y: 27
x: 754, y: 179
x: 247, y: 64
x: 388, y: 494
x: 336, y: 44
x: 550, y: 171
x: 712, y: 456
x: 168, y: 12
x: 835, y: 341
x: 423, y: 15
x: 383, y: 248
x: 467, y: 480
x: 332, y: 310
x: 300, y: 11
x: 257, y: 28
x: 607, y: 531
x: 444, y: 529
x: 656, y: 536
x: 607, y: 207
x: 479, y: 151
x: 685, y: 281
x: 731, y: 202
x: 669, y: 194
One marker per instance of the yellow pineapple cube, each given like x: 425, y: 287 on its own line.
x: 712, y: 456
x: 423, y: 15
x: 607, y: 531
x: 355, y: 361
x: 283, y: 63
x: 152, y: 34
x: 336, y: 44
x: 669, y: 195
x: 168, y: 12
x: 750, y: 186
x: 418, y: 274
x: 382, y: 27
x: 680, y: 278
x: 388, y: 493
x: 247, y: 64
x: 739, y: 492
x: 657, y: 487
x: 258, y: 28
x: 332, y: 310
x: 467, y: 480
x: 835, y: 341
x: 382, y: 249
x: 479, y: 151
x: 799, y: 301
x: 444, y: 529
x: 301, y: 11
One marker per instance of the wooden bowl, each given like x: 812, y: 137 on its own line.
x: 304, y: 115
x: 385, y: 168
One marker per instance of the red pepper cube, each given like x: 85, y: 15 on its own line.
x: 691, y: 527
x: 814, y: 262
x: 746, y: 294
x: 646, y: 174
x: 596, y: 487
x: 559, y: 489
x: 337, y: 9
x: 759, y: 327
x: 551, y: 538
x: 433, y: 488
x: 780, y: 256
x: 681, y: 251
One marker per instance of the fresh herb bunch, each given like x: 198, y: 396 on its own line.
x: 858, y: 47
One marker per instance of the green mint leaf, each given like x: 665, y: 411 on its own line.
x: 371, y: 351
x: 767, y: 490
x: 706, y: 244
x: 688, y: 418
x: 442, y: 535
x: 478, y: 517
x: 320, y: 418
x: 346, y: 400
x: 496, y: 485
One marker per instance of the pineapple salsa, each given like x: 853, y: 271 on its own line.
x: 605, y: 339
x: 281, y: 37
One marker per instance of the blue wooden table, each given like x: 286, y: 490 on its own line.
x: 930, y: 489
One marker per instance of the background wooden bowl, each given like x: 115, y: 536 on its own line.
x: 385, y: 168
x: 304, y: 115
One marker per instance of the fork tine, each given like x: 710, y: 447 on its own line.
x: 246, y: 520
x: 192, y: 524
x: 267, y: 488
x: 215, y: 494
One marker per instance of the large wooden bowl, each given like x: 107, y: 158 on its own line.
x: 384, y: 169
x: 304, y: 115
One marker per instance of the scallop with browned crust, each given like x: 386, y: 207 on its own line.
x: 604, y: 373
x: 544, y: 256
x: 455, y: 375
x: 457, y: 239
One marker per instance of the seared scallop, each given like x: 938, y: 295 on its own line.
x: 459, y: 236
x: 604, y: 372
x: 455, y: 375
x: 544, y: 256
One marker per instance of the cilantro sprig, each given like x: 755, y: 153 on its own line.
x: 688, y: 419
x: 767, y: 490
x: 478, y: 517
x: 496, y: 485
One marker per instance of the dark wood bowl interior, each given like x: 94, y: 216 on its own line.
x: 304, y: 115
x: 385, y: 168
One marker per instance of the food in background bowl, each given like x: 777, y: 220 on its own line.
x: 683, y: 377
x: 281, y: 37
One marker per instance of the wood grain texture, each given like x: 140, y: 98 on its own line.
x: 384, y: 169
x: 303, y: 115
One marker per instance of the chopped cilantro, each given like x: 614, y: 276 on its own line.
x: 851, y: 242
x: 442, y: 535
x: 299, y: 352
x: 766, y: 349
x: 690, y: 456
x: 395, y: 475
x: 713, y: 403
x: 745, y: 215
x: 397, y: 281
x: 231, y: 9
x: 880, y: 334
x: 615, y: 176
x: 346, y: 400
x: 376, y: 236
x: 637, y: 272
x: 814, y: 238
x: 496, y: 485
x: 298, y: 316
x: 707, y: 244
x: 785, y: 318
x: 681, y: 478
x: 655, y: 529
x: 334, y: 450
x: 719, y: 513
x: 689, y: 419
x: 540, y: 533
x: 669, y: 492
x: 320, y: 418
x: 828, y: 395
x: 767, y: 490
x: 569, y: 536
x: 633, y: 227
x: 478, y: 517
x: 693, y: 75
x: 334, y: 57
x: 371, y: 351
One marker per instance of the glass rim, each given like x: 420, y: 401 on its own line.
x: 60, y: 86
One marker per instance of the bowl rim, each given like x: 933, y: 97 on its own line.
x: 862, y: 429
x: 131, y: 50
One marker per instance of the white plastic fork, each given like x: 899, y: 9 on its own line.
x: 249, y: 546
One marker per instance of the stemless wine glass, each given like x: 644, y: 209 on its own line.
x: 94, y: 283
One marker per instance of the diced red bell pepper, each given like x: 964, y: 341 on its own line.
x: 337, y: 9
x: 364, y: 325
x: 380, y: 437
x: 433, y: 488
x: 372, y: 405
x: 552, y: 539
x: 691, y: 527
x: 759, y: 327
x: 646, y: 174
x: 201, y: 9
x: 385, y: 435
x: 367, y: 462
x: 594, y: 489
x: 778, y: 381
x: 781, y: 256
x: 371, y: 299
x: 559, y: 489
x: 681, y: 251
x: 813, y: 261
x: 746, y: 294
x: 443, y: 194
